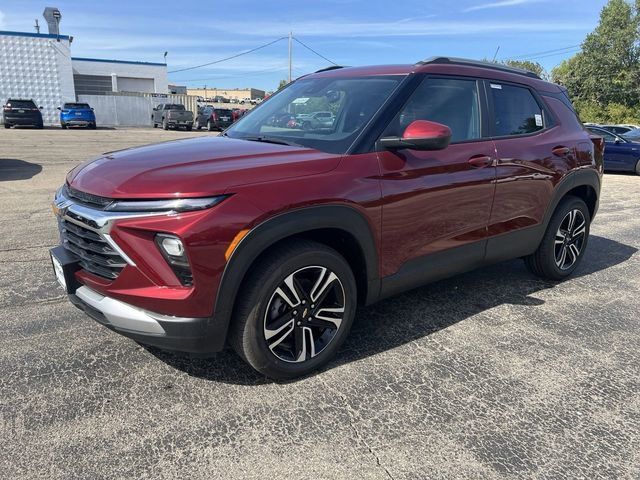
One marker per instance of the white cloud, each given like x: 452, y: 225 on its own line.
x: 409, y: 28
x: 499, y: 4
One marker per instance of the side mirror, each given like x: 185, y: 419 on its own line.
x: 617, y: 141
x: 92, y: 110
x: 58, y: 108
x: 40, y: 108
x: 420, y: 135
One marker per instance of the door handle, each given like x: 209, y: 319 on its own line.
x: 561, y: 151
x: 481, y: 161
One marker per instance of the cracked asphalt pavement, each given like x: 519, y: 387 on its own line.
x: 491, y: 374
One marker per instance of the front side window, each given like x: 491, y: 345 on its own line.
x: 290, y: 116
x: 449, y: 101
x: 608, y: 137
x: 516, y: 110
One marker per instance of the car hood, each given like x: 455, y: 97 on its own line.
x: 194, y: 168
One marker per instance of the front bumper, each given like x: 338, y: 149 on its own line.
x: 192, y: 335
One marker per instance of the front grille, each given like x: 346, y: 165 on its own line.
x: 95, y: 254
x: 88, y: 199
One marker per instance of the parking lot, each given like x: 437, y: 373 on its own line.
x: 492, y: 374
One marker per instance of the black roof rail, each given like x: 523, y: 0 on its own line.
x: 479, y: 63
x: 326, y: 69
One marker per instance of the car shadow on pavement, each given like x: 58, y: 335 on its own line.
x: 418, y: 313
x: 12, y: 169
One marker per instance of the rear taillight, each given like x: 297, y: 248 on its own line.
x: 7, y: 109
x: 214, y: 117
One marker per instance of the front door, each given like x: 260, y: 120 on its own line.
x: 437, y: 201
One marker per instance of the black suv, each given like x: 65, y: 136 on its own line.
x: 22, y: 112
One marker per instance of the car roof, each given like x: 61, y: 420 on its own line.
x: 447, y: 66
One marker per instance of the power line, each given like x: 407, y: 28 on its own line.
x: 312, y: 50
x: 244, y: 74
x: 228, y: 58
x: 526, y: 55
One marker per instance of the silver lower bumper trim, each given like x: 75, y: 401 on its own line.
x: 120, y: 314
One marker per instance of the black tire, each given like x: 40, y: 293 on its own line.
x: 209, y: 126
x: 155, y: 125
x: 63, y: 126
x: 198, y: 126
x: 544, y: 261
x: 248, y: 337
x: 40, y: 126
x: 93, y: 126
x: 638, y: 167
x: 165, y: 124
x: 189, y: 128
x: 7, y: 125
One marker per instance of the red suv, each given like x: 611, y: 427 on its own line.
x: 268, y: 237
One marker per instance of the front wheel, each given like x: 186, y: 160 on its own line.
x: 638, y: 167
x: 295, y: 310
x: 6, y: 125
x: 564, y: 242
x: 165, y: 125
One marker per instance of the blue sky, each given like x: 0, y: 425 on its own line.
x: 349, y: 32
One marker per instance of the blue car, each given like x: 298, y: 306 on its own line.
x: 620, y: 154
x: 77, y: 115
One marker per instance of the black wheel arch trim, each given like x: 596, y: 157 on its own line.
x: 282, y: 226
x: 577, y: 178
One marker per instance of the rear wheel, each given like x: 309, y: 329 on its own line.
x: 165, y: 124
x: 189, y: 127
x: 6, y: 125
x: 63, y: 125
x: 92, y: 126
x: 210, y: 126
x: 564, y: 242
x: 295, y: 310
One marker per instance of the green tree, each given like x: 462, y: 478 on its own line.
x: 283, y: 83
x: 603, y: 79
x: 529, y: 65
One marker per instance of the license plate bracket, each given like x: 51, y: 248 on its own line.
x: 65, y: 265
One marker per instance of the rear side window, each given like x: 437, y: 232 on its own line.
x: 516, y: 110
x: 450, y: 101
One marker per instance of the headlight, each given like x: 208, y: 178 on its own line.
x: 171, y: 205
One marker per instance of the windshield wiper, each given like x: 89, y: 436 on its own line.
x: 277, y: 141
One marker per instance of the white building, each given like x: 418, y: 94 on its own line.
x: 36, y: 66
x: 39, y: 66
x: 95, y: 76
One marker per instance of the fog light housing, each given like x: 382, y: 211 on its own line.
x: 173, y: 251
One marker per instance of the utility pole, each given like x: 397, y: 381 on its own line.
x: 290, y: 53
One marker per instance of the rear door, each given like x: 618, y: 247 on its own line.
x: 438, y: 200
x: 533, y: 154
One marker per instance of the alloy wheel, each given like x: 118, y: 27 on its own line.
x: 570, y: 239
x: 304, y: 314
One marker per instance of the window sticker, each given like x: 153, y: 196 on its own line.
x: 538, y: 118
x: 496, y: 86
x: 301, y: 100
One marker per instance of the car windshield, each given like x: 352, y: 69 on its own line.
x: 21, y: 104
x: 76, y: 105
x: 288, y: 116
